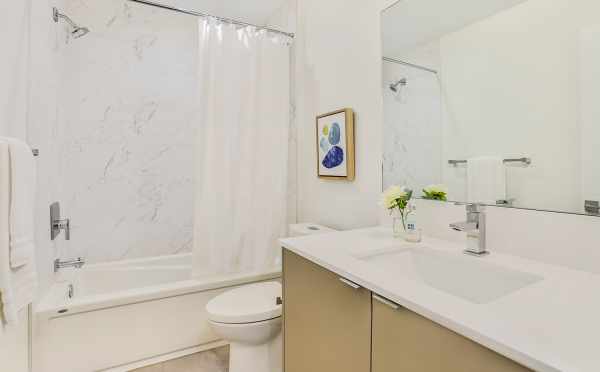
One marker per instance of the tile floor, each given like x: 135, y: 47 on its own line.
x: 215, y: 360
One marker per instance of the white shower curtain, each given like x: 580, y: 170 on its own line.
x: 242, y: 148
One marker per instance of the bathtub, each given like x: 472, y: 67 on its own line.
x: 127, y: 314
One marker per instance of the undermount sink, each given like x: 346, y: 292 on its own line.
x: 469, y: 278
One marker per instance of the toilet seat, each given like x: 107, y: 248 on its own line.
x: 247, y: 304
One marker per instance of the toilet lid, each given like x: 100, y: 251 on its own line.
x: 246, y: 304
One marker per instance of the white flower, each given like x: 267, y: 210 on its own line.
x: 392, y: 194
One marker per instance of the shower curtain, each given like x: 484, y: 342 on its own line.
x: 242, y: 148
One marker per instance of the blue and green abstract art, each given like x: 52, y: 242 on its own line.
x: 330, y: 139
x: 332, y: 142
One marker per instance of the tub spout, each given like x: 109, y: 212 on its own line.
x: 78, y: 263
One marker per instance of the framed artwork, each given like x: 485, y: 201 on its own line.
x: 335, y: 145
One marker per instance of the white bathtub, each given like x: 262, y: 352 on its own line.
x: 127, y: 313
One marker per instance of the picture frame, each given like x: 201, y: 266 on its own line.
x: 335, y: 145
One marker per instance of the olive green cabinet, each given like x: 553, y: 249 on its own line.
x: 404, y: 341
x: 327, y: 320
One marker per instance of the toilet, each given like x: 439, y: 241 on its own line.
x: 249, y: 318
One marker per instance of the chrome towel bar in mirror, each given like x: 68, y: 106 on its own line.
x: 525, y: 161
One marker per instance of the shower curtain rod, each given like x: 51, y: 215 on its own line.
x: 199, y: 14
x: 400, y: 62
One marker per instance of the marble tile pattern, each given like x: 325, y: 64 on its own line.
x: 127, y: 126
x: 412, y: 128
x: 216, y: 360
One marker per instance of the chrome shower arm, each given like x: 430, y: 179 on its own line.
x: 77, y: 31
x: 56, y: 15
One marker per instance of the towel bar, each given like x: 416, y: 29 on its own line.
x: 526, y: 161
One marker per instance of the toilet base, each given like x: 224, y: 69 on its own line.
x: 256, y: 358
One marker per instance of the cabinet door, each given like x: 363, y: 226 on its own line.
x: 327, y: 320
x: 404, y: 341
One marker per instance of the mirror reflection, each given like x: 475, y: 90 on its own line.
x: 495, y: 102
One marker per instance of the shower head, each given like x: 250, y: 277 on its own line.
x: 77, y: 31
x: 394, y: 86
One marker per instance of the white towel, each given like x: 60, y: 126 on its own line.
x: 18, y: 281
x: 486, y: 180
x: 22, y: 199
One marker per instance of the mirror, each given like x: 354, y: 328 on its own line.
x: 497, y: 100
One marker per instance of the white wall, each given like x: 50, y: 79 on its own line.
x: 411, y: 23
x: 14, y: 35
x: 589, y: 91
x: 338, y: 64
x: 284, y: 18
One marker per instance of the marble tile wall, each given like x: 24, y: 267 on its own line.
x: 216, y: 360
x: 127, y: 125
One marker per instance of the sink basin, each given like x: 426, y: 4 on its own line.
x: 470, y: 278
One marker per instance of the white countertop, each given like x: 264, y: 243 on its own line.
x: 552, y: 325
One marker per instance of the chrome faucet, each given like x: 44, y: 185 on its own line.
x: 78, y: 263
x: 475, y: 229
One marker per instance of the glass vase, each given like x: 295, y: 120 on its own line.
x: 398, y: 227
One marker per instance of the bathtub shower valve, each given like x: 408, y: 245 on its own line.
x: 57, y: 224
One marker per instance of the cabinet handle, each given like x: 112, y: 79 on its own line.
x: 349, y: 283
x: 386, y: 302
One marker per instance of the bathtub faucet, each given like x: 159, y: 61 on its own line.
x: 78, y: 263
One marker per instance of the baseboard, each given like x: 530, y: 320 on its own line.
x: 165, y: 357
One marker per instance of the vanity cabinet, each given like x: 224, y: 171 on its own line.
x: 331, y: 324
x: 405, y: 341
x: 327, y: 320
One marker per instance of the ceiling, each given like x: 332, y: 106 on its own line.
x: 410, y: 23
x: 250, y: 11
